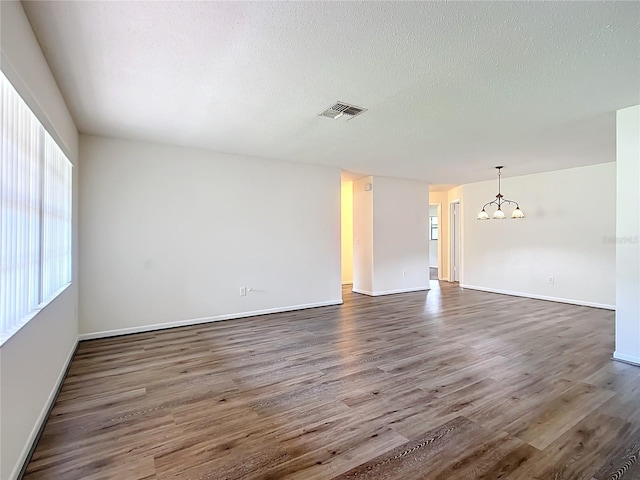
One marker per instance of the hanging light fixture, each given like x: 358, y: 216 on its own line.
x: 498, y: 202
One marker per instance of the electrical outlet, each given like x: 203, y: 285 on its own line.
x: 551, y: 280
x: 243, y: 291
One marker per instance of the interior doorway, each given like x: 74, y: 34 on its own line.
x: 455, y: 241
x: 434, y: 241
x: 346, y: 250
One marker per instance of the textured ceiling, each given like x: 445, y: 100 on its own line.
x: 452, y: 88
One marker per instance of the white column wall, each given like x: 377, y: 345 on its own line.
x: 391, y: 236
x: 627, y: 235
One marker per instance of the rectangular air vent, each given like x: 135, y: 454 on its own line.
x: 341, y: 109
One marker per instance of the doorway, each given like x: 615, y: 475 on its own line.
x: 434, y: 241
x: 455, y: 241
x: 346, y: 249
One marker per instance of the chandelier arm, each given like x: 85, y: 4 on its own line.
x: 504, y: 200
x: 492, y: 202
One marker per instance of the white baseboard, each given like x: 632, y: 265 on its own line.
x: 42, y: 418
x: 390, y: 292
x: 626, y: 358
x: 196, y: 321
x: 363, y: 292
x: 541, y: 297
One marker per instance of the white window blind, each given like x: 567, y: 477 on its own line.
x: 35, y: 214
x: 56, y: 219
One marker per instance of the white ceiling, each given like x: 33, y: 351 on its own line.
x: 452, y: 88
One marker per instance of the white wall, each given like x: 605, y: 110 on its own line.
x: 170, y: 235
x: 401, y: 235
x: 433, y: 244
x: 627, y: 241
x: 346, y: 233
x: 391, y: 239
x: 570, y: 214
x: 33, y: 361
x: 363, y: 235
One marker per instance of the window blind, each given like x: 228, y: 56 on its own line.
x: 35, y: 213
x: 56, y: 219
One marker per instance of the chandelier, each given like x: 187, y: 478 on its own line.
x: 498, y: 202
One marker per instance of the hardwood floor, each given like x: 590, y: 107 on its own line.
x: 446, y: 384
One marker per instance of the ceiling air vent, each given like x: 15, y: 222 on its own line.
x: 341, y: 109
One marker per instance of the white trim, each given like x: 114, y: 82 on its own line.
x: 42, y: 418
x: 390, y: 292
x: 626, y: 358
x: 363, y: 292
x: 196, y: 321
x: 4, y: 338
x: 541, y: 297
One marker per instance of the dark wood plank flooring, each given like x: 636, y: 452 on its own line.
x: 446, y: 384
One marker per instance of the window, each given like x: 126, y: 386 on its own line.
x: 35, y: 214
x: 433, y: 228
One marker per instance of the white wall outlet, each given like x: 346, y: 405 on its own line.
x: 243, y: 291
x: 551, y: 280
